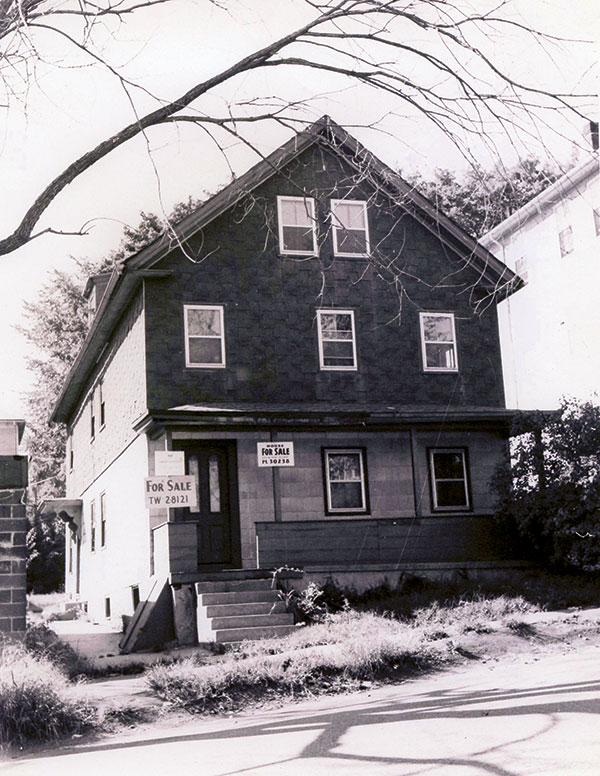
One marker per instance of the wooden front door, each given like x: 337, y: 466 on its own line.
x: 211, y: 465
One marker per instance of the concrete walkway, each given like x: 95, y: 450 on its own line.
x: 513, y: 718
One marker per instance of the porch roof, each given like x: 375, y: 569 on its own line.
x: 318, y: 414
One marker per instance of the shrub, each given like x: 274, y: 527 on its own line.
x: 551, y: 494
x: 41, y: 641
x: 36, y: 702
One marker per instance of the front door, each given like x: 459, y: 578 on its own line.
x: 211, y: 463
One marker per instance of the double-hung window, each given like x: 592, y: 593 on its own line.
x: 93, y: 526
x: 103, y: 520
x: 350, y: 227
x: 297, y: 226
x: 449, y: 479
x: 337, y: 341
x: 438, y: 342
x: 204, y: 336
x: 345, y: 481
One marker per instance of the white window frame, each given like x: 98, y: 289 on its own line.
x: 331, y: 510
x: 340, y: 368
x: 221, y: 310
x: 424, y: 342
x: 102, y: 509
x: 93, y: 537
x: 434, y: 496
x: 336, y: 227
x: 309, y: 202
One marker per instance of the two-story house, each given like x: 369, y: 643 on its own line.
x: 322, y: 346
x: 549, y: 329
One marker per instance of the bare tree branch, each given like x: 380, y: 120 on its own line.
x: 359, y: 41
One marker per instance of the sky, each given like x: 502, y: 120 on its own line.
x: 70, y: 106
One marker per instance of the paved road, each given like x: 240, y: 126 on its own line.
x: 499, y: 719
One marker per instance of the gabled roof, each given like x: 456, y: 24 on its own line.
x: 543, y: 202
x: 493, y: 274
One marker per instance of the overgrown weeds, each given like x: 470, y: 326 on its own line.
x: 37, y: 704
x: 336, y: 655
x: 41, y: 641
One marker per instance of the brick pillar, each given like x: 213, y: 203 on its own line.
x: 13, y: 530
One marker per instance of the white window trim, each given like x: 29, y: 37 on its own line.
x: 102, y: 523
x: 434, y: 482
x: 341, y: 368
x: 363, y: 510
x: 310, y: 202
x: 93, y: 534
x: 337, y: 228
x: 427, y: 368
x: 221, y: 311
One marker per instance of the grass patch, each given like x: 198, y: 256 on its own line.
x: 334, y: 656
x: 37, y: 704
x: 536, y: 588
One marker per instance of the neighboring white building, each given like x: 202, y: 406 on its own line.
x: 550, y: 328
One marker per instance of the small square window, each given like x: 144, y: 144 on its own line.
x: 297, y: 226
x: 350, y: 227
x: 337, y: 342
x: 204, y: 336
x: 438, y: 342
x: 565, y: 240
x: 521, y: 269
x: 449, y: 482
x: 345, y: 481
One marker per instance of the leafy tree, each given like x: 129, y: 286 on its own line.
x: 481, y: 199
x: 57, y: 325
x: 435, y: 59
x: 551, y: 495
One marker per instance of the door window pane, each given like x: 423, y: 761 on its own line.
x: 214, y: 484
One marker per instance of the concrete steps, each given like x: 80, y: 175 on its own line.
x: 234, y: 610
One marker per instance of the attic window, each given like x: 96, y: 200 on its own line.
x: 438, y: 342
x: 350, y: 227
x: 297, y: 226
x: 204, y: 336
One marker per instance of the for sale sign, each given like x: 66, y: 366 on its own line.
x: 275, y: 453
x: 175, y: 491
